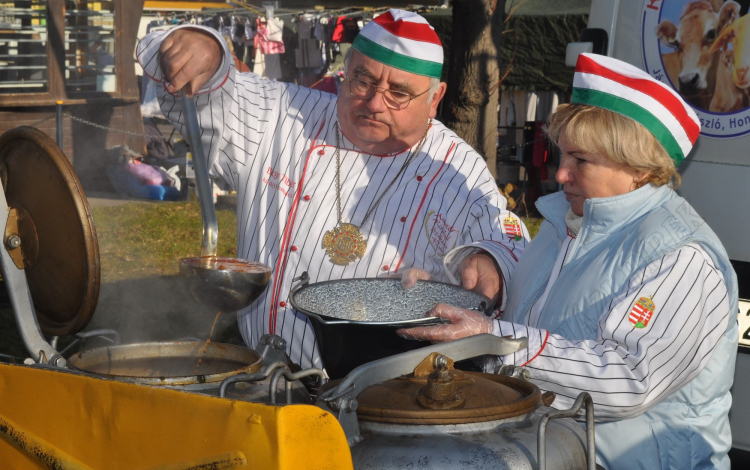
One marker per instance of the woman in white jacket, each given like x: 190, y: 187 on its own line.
x: 625, y: 292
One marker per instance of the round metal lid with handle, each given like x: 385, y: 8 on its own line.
x: 436, y: 393
x: 50, y: 230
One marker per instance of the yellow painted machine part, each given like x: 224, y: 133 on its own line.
x: 104, y: 424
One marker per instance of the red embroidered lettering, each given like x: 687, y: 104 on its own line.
x: 441, y: 234
x: 286, y: 192
x: 651, y: 4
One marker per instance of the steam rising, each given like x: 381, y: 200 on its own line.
x: 159, y: 308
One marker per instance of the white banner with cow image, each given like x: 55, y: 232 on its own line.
x: 702, y: 50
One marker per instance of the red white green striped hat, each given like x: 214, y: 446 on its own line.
x: 404, y: 40
x: 624, y: 89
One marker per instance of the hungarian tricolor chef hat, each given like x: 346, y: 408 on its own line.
x: 404, y: 40
x: 624, y: 89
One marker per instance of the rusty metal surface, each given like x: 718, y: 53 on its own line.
x: 443, y: 389
x: 491, y: 397
x: 36, y: 448
x: 168, y: 363
x: 219, y: 462
x: 63, y: 275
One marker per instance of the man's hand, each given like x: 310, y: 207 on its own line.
x: 189, y: 56
x: 463, y: 323
x: 480, y: 273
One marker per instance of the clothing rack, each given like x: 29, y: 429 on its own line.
x: 240, y: 15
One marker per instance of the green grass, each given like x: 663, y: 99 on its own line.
x: 532, y: 225
x: 145, y: 239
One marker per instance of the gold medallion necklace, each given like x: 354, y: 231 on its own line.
x: 345, y: 243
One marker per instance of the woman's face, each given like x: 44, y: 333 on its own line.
x: 585, y: 175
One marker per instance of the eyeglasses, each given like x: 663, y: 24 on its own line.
x: 392, y: 98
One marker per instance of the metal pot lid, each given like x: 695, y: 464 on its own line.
x: 381, y: 301
x: 59, y: 249
x: 447, y: 396
x: 168, y: 363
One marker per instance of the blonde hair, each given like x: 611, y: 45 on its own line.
x: 614, y: 136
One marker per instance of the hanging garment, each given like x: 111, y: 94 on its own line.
x: 346, y: 29
x: 273, y: 66
x: 259, y: 64
x: 263, y: 37
x: 307, y: 54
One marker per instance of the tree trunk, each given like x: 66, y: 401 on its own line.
x: 470, y: 107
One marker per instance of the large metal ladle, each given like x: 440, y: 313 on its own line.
x: 225, y: 284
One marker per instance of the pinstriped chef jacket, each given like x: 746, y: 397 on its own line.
x: 275, y: 144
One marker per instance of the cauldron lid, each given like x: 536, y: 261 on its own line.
x: 490, y: 397
x: 58, y: 239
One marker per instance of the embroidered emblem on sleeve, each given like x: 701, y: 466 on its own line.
x: 641, y: 313
x: 512, y: 228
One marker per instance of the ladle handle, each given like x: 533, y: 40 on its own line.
x: 202, y: 181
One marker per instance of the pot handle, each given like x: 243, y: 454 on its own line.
x: 302, y: 281
x: 541, y: 450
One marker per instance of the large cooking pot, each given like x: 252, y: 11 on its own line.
x: 437, y: 418
x: 175, y: 364
x: 355, y: 319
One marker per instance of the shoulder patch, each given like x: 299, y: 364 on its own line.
x: 512, y: 228
x: 641, y: 313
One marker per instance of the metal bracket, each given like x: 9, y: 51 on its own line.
x: 39, y: 349
x: 341, y: 400
x: 272, y: 348
x: 12, y: 239
x: 515, y: 372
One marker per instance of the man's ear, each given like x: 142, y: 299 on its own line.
x: 436, y: 99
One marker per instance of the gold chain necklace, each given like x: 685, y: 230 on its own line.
x: 345, y: 243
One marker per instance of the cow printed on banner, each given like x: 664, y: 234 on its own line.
x: 642, y: 312
x: 701, y: 49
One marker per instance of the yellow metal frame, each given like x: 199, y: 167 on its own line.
x: 62, y: 420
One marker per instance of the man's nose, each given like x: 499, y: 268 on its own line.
x: 376, y: 103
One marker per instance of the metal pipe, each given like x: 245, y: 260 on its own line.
x: 289, y: 376
x: 202, y: 181
x: 274, y: 383
x: 88, y: 334
x: 569, y: 413
x: 258, y: 376
x: 59, y: 107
